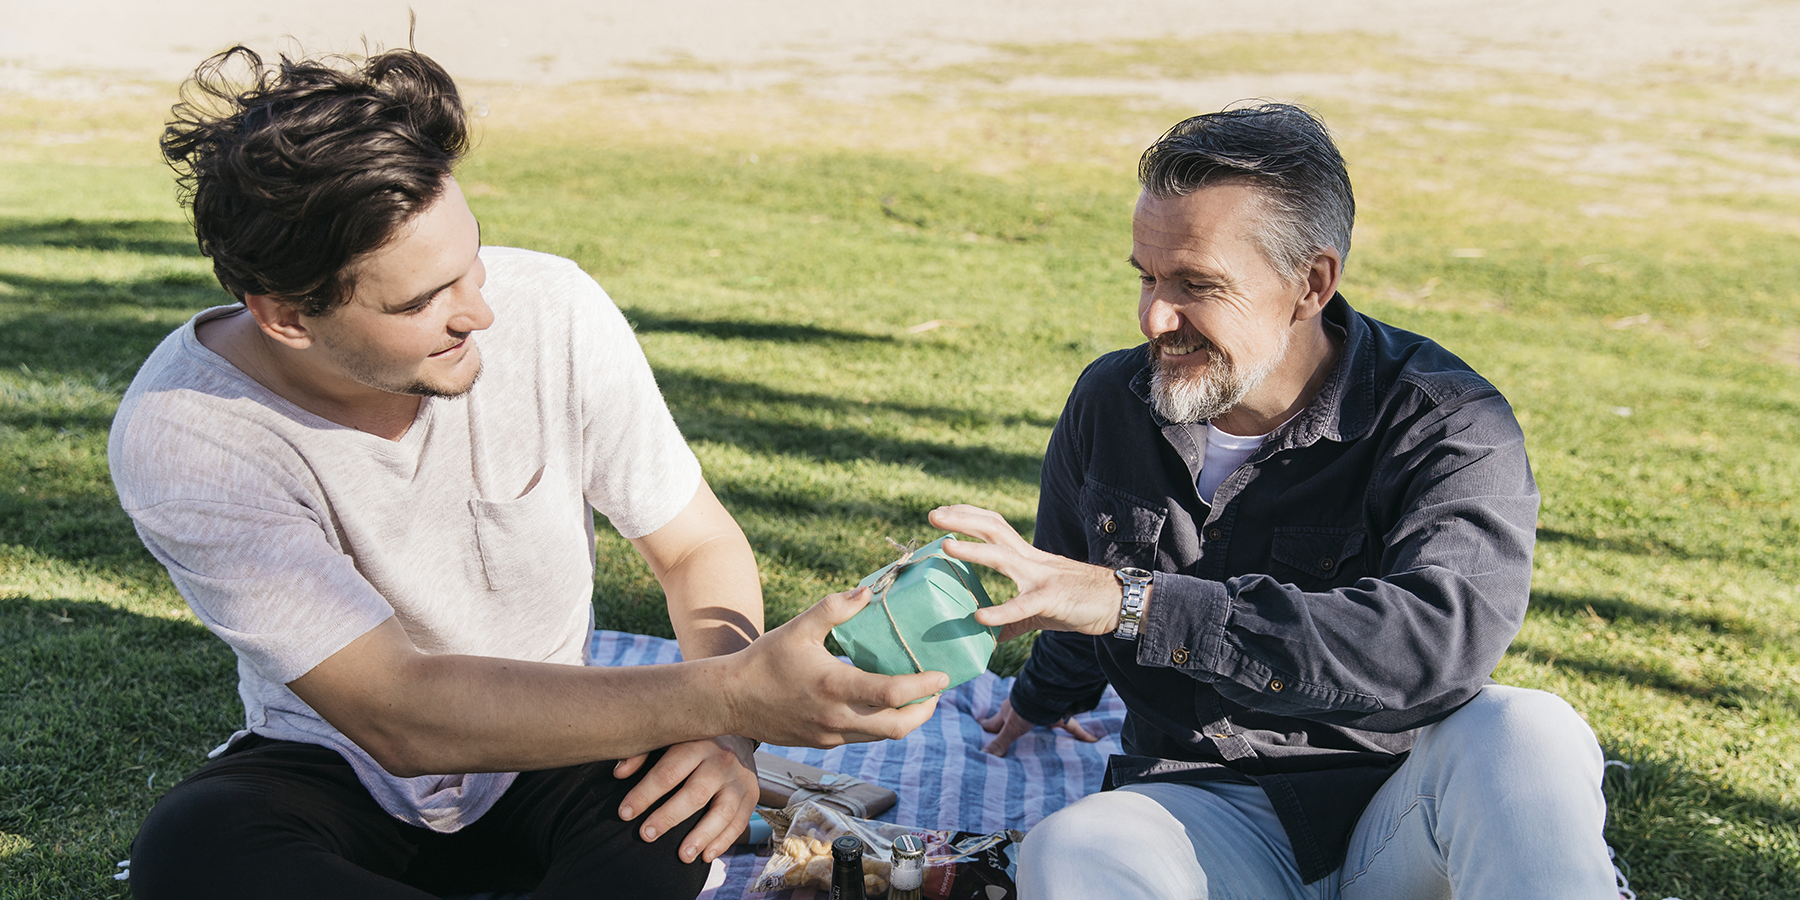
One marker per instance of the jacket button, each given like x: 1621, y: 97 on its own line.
x: 1214, y: 534
x: 1327, y: 563
x: 1276, y: 684
x: 1180, y: 656
x: 1109, y: 526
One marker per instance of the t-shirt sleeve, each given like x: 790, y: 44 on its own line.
x: 265, y: 581
x: 640, y: 472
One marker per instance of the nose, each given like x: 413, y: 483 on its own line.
x: 474, y: 314
x: 472, y: 311
x: 1156, y: 315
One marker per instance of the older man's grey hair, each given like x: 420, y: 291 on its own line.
x: 1284, y: 151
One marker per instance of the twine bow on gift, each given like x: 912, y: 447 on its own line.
x: 809, y: 789
x: 832, y: 786
x: 881, y: 585
x: 886, y: 581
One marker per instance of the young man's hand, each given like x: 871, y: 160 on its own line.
x: 787, y: 689
x: 717, y: 775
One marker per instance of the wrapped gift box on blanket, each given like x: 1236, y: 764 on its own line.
x: 922, y: 619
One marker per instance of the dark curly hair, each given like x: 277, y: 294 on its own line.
x: 297, y: 168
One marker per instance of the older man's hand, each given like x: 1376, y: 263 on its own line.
x: 1055, y: 593
x: 1008, y: 726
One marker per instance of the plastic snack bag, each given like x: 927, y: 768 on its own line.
x: 959, y: 865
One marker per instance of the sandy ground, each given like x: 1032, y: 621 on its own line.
x: 63, y: 45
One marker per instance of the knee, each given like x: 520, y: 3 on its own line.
x: 192, y: 821
x: 1115, y: 826
x: 1513, y: 727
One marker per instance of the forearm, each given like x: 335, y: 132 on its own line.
x: 416, y: 713
x: 1351, y: 656
x: 715, y: 598
x: 424, y: 714
x: 708, y: 574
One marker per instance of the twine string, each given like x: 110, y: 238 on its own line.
x: 801, y: 782
x: 886, y: 581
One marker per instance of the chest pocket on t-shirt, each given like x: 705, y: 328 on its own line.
x: 1122, y: 529
x: 1317, y: 558
x: 535, y: 540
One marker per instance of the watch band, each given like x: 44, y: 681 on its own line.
x: 1134, y: 583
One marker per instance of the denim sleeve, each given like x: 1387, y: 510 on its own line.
x: 1407, y: 645
x: 1062, y: 676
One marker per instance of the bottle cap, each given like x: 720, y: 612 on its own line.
x: 908, y: 845
x: 848, y: 848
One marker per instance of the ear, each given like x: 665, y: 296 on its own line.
x: 1319, y: 283
x: 281, y: 321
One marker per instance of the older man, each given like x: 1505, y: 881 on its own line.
x: 375, y: 478
x: 1297, y: 541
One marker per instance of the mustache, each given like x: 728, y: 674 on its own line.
x: 1183, y: 337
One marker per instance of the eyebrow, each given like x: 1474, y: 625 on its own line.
x: 1188, y: 274
x: 427, y: 294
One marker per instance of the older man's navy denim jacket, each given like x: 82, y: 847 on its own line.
x: 1358, y: 577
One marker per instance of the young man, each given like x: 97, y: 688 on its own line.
x: 1297, y: 541
x: 375, y: 479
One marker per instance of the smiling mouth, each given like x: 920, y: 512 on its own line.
x: 1180, y: 344
x: 449, y: 350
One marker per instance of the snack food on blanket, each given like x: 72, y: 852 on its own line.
x: 921, y: 619
x: 959, y: 865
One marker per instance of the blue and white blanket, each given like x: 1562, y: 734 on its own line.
x: 943, y: 778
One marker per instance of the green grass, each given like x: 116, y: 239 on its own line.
x: 1620, y: 260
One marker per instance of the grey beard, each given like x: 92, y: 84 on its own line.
x: 1197, y: 398
x: 1209, y: 395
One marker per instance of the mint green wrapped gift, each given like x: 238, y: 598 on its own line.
x: 921, y: 619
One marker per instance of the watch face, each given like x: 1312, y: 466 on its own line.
x: 1135, y: 574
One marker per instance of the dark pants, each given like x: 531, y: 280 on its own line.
x: 275, y: 819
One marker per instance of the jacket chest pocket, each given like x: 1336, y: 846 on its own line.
x: 1318, y: 558
x: 1122, y: 529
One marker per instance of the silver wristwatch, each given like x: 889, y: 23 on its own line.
x: 1135, y: 583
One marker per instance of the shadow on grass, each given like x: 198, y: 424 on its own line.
x: 1591, y: 668
x: 146, y: 236
x: 172, y: 289
x: 85, y: 527
x: 884, y: 515
x: 644, y: 321
x: 105, y: 711
x: 1634, y: 547
x: 708, y: 389
x: 1659, y: 677
x: 767, y: 420
x: 1674, y: 830
x: 1618, y: 608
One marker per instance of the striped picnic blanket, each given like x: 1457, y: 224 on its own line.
x: 943, y: 779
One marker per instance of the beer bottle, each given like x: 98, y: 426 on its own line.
x: 847, y: 868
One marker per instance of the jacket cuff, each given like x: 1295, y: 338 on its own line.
x: 1184, y: 626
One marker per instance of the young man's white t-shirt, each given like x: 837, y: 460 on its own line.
x: 291, y: 536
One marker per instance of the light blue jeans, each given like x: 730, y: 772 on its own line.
x: 1500, y: 801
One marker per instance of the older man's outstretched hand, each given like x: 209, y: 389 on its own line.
x: 1055, y: 593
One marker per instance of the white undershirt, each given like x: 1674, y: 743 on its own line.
x: 1224, y: 453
